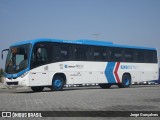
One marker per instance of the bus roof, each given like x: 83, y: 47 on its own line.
x: 82, y: 41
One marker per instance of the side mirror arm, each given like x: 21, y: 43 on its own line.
x: 3, y: 51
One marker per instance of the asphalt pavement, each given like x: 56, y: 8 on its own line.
x: 136, y: 98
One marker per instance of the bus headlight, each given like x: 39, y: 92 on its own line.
x: 23, y: 75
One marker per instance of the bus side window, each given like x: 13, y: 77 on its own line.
x: 98, y: 54
x: 147, y: 59
x: 139, y: 56
x: 128, y: 55
x: 89, y: 53
x: 150, y: 56
x: 42, y: 55
x: 80, y: 53
x: 56, y: 53
x: 154, y: 56
x: 116, y: 54
x: 39, y: 57
x: 106, y: 54
x: 65, y: 52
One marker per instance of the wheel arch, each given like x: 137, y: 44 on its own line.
x: 129, y: 74
x: 61, y: 75
x: 125, y: 83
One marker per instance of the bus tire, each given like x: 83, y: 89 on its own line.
x: 57, y: 83
x: 105, y: 86
x: 126, y: 81
x: 37, y: 89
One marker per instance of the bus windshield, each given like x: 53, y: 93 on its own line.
x: 17, y: 58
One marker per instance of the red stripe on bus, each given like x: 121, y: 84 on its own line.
x: 115, y: 72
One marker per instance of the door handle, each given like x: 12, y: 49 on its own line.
x: 33, y: 73
x: 43, y: 73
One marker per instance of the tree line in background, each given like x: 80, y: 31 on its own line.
x: 1, y: 74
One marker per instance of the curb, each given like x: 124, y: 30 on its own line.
x: 2, y: 86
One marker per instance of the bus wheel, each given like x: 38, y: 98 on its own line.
x: 105, y: 86
x: 37, y: 89
x: 57, y: 83
x: 126, y: 81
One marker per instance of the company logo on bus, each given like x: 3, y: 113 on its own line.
x: 69, y: 66
x: 73, y: 66
x: 128, y: 67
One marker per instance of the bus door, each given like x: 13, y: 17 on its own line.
x: 39, y: 60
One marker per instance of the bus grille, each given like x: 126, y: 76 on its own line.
x: 12, y: 83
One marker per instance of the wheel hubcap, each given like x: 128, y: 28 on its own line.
x: 57, y: 83
x: 126, y: 81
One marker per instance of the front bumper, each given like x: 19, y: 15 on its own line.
x: 17, y: 82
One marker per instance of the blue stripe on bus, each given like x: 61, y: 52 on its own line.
x: 16, y: 74
x: 109, y: 72
x: 84, y: 42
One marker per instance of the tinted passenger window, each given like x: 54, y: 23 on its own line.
x: 61, y: 52
x: 154, y: 56
x: 129, y: 55
x: 39, y: 55
x: 80, y: 52
x: 116, y: 54
x: 89, y: 53
x: 150, y: 56
x: 139, y: 55
x: 65, y: 52
x: 98, y: 54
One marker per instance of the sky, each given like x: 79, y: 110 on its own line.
x: 127, y: 22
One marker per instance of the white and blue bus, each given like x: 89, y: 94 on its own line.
x: 56, y: 63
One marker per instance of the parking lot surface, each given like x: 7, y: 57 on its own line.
x: 135, y: 98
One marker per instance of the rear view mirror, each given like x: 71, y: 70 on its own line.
x: 3, y: 51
